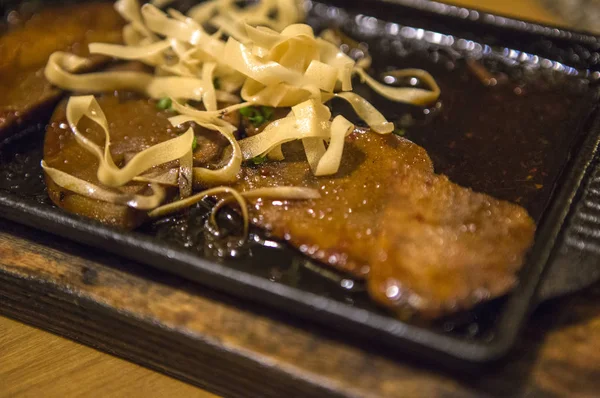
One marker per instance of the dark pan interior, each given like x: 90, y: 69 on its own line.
x: 514, y: 139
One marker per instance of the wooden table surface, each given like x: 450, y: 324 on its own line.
x: 36, y: 363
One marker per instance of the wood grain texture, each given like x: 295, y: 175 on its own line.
x: 228, y: 347
x: 241, y: 350
x: 35, y: 364
x: 218, y: 334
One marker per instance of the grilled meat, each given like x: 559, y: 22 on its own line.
x: 424, y: 244
x: 340, y: 228
x: 24, y: 52
x: 135, y: 124
x: 444, y: 248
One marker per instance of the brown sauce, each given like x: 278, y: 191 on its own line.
x: 511, y: 140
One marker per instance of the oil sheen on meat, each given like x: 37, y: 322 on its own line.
x: 135, y: 124
x: 443, y: 247
x: 24, y: 51
x: 423, y: 244
x: 340, y: 228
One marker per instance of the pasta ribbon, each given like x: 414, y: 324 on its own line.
x: 261, y: 52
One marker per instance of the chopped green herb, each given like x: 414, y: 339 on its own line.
x: 195, y: 143
x: 257, y: 120
x: 247, y: 111
x: 400, y: 132
x: 217, y: 83
x: 164, y: 103
x: 267, y: 112
x: 257, y: 116
x: 258, y: 160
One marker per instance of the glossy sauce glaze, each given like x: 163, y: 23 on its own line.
x: 501, y: 129
x: 30, y: 40
x: 508, y: 131
x: 510, y: 140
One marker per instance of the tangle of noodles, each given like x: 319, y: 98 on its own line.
x: 261, y: 53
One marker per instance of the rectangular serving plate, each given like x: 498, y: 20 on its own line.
x: 432, y: 21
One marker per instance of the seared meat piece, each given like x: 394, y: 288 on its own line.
x: 25, y: 50
x: 135, y: 124
x: 62, y: 151
x: 340, y: 228
x: 444, y: 248
x: 422, y: 243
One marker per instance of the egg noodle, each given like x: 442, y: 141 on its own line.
x: 258, y: 55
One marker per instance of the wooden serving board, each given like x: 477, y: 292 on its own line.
x: 235, y: 349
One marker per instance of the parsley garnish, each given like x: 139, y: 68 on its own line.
x: 257, y: 116
x: 247, y: 111
x: 164, y: 103
x: 267, y: 112
x: 257, y: 120
x: 195, y: 143
x: 400, y: 132
x: 257, y: 161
